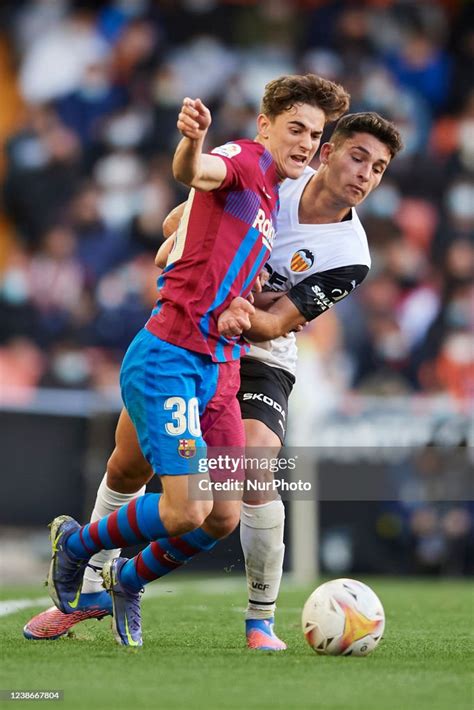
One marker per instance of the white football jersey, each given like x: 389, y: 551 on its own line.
x: 317, y: 265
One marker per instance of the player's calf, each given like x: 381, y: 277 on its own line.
x: 261, y: 535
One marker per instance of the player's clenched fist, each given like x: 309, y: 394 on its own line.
x: 236, y: 318
x: 194, y: 119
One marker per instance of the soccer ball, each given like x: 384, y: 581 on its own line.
x: 343, y: 618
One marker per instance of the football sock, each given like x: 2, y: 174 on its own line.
x: 261, y: 537
x: 134, y: 522
x: 164, y: 556
x: 107, y: 501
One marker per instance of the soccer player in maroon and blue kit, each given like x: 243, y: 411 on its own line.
x: 179, y: 377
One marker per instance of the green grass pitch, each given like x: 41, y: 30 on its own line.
x: 195, y: 657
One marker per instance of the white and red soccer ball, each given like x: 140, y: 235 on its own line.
x: 343, y: 617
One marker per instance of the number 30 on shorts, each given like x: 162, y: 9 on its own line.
x: 184, y: 415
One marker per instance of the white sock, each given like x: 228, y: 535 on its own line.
x: 261, y: 537
x: 107, y: 501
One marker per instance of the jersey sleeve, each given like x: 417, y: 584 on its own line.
x: 241, y: 162
x: 319, y: 292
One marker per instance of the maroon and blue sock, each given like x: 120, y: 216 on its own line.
x: 134, y: 522
x: 164, y: 556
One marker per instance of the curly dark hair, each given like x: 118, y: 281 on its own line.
x: 286, y: 91
x: 370, y: 122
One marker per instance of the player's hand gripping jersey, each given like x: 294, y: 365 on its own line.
x: 316, y: 265
x: 223, y: 240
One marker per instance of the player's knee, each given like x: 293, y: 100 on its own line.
x: 196, y: 514
x: 222, y: 525
x: 190, y: 515
x: 227, y: 526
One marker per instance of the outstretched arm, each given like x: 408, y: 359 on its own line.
x: 190, y: 166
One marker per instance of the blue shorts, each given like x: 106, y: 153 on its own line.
x: 166, y: 390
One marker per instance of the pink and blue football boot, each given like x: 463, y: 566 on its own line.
x: 260, y: 635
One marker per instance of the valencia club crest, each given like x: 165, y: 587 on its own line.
x: 302, y: 260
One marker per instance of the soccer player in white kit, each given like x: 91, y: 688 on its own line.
x: 321, y: 255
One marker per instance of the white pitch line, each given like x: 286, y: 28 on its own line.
x: 211, y: 587
x: 11, y: 606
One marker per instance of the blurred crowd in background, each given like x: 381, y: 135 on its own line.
x: 90, y: 93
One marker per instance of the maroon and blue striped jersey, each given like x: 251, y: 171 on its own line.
x: 224, y: 238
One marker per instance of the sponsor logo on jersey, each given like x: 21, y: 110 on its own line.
x: 187, y: 448
x: 228, y: 150
x: 320, y: 298
x: 302, y: 260
x: 265, y: 227
x: 266, y: 399
x: 338, y: 294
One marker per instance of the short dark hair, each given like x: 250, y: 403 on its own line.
x: 370, y: 122
x: 283, y: 93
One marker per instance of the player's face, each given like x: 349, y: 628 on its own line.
x: 292, y: 137
x: 355, y: 167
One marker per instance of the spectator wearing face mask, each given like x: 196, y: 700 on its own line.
x: 85, y: 109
